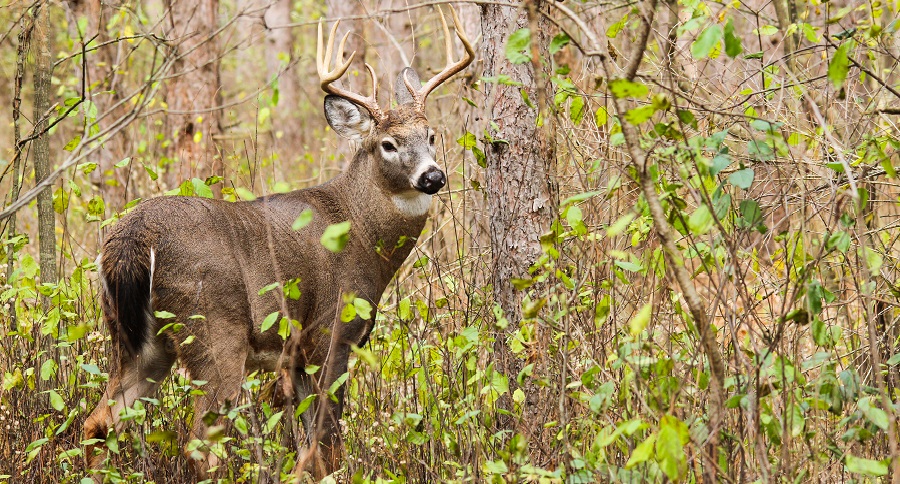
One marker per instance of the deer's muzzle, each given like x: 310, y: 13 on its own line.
x: 431, y: 181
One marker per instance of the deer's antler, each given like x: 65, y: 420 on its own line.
x: 327, y: 76
x: 421, y: 92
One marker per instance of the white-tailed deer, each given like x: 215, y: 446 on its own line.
x: 201, y: 257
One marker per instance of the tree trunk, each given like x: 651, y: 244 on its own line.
x: 87, y: 20
x: 261, y: 29
x: 341, y: 9
x: 193, y: 96
x: 395, y: 42
x: 286, y: 127
x: 785, y: 13
x: 25, y: 37
x: 43, y: 66
x: 523, y: 195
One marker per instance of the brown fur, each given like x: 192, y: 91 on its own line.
x: 212, y: 257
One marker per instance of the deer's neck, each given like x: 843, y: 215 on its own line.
x: 380, y: 220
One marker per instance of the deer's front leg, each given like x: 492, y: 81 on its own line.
x: 325, y: 447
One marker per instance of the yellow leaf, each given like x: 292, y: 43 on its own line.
x: 640, y: 320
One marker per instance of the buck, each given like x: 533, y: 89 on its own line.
x: 207, y: 262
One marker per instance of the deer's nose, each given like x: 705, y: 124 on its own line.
x: 432, y: 180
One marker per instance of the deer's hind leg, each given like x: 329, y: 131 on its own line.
x: 131, y: 378
x: 323, y: 454
x: 218, y: 359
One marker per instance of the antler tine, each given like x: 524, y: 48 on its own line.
x: 328, y: 76
x: 452, y: 67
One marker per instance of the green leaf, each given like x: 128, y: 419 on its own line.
x: 640, y: 114
x: 303, y: 219
x: 479, y: 157
x: 267, y: 288
x: 700, y: 221
x: 163, y: 314
x: 580, y: 197
x: 732, y: 42
x: 628, y: 266
x: 686, y: 117
x: 838, y: 240
x: 495, y: 467
x: 765, y: 126
x: 558, y: 42
x: 601, y: 117
x: 814, y: 295
x: 705, y: 42
x: 284, y: 328
x: 501, y: 79
x: 404, y: 309
x: 151, y: 173
x: 623, y: 88
x: 874, y: 260
x: 869, y: 467
x: 518, y: 47
x: 337, y: 384
x: 640, y: 321
x: 467, y: 141
x: 271, y: 422
x: 742, y: 178
x: 201, y: 189
x: 363, y: 308
x: 619, y: 226
x: 123, y: 163
x: 48, y: 369
x: 822, y: 335
x: 336, y: 236
x: 72, y: 144
x: 269, y: 322
x: 576, y: 110
x: 245, y: 194
x: 617, y: 27
x: 766, y: 30
x: 760, y: 150
x: 872, y: 413
x: 56, y: 401
x: 719, y: 163
x: 642, y: 452
x: 751, y: 214
x: 96, y: 207
x: 276, y: 95
x: 304, y: 404
x: 839, y: 66
x: 673, y: 435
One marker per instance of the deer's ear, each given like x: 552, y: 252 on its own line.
x: 347, y: 119
x: 400, y: 89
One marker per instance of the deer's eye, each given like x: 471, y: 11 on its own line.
x: 431, y: 139
x: 388, y: 146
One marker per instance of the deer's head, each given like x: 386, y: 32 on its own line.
x: 399, y: 141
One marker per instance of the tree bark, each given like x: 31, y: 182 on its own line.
x: 286, y: 125
x: 87, y: 20
x: 43, y: 66
x: 341, y: 9
x: 785, y: 13
x: 193, y: 96
x: 25, y: 37
x: 523, y: 195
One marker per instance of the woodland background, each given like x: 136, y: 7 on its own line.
x: 668, y: 249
